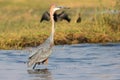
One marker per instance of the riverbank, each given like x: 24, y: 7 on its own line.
x: 20, y: 26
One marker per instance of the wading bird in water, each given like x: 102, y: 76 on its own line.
x: 41, y: 54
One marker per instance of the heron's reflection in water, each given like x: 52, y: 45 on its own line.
x: 40, y: 74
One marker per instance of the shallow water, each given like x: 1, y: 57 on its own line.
x: 68, y: 62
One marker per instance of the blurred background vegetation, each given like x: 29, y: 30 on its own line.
x: 20, y: 22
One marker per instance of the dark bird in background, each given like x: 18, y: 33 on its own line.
x: 78, y: 19
x: 57, y: 17
x: 45, y: 16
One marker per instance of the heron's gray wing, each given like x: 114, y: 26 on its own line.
x: 39, y: 56
x: 45, y: 16
x: 41, y: 53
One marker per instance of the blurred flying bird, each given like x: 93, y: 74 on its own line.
x: 57, y: 17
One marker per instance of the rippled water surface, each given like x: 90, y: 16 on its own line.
x: 68, y: 62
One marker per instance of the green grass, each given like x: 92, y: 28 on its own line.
x: 20, y: 26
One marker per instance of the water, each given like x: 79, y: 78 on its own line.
x: 69, y: 62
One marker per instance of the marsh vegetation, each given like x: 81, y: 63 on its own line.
x: 20, y: 26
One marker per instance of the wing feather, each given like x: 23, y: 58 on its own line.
x: 45, y: 16
x: 41, y: 53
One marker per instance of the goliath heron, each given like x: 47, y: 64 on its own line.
x: 41, y: 53
x: 57, y: 16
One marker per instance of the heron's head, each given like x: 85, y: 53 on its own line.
x: 54, y: 8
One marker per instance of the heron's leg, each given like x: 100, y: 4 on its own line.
x: 45, y: 61
x: 34, y: 66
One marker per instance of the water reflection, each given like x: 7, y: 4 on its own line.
x: 40, y: 74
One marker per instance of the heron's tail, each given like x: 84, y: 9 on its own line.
x: 31, y: 62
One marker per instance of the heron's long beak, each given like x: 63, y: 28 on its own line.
x: 62, y: 7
